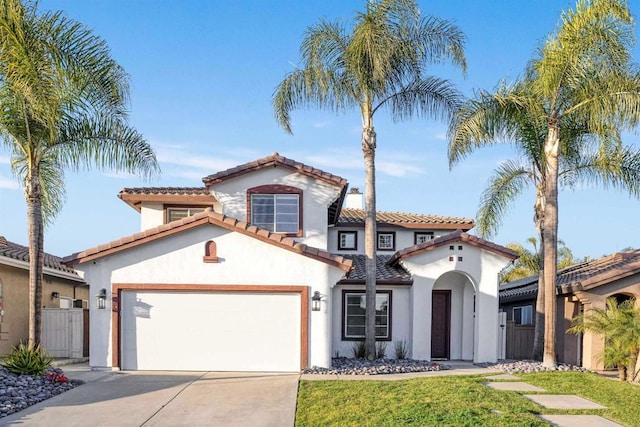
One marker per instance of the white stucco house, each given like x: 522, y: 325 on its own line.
x: 222, y: 277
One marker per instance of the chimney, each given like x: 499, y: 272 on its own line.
x: 353, y: 199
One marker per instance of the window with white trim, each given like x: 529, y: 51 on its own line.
x: 276, y: 212
x: 174, y: 214
x: 386, y: 241
x: 422, y: 236
x: 353, y: 320
x: 523, y: 315
x: 347, y: 240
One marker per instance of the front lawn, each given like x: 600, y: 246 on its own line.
x: 456, y: 401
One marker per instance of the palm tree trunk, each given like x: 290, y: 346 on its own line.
x: 538, y: 334
x: 36, y: 253
x: 550, y: 243
x: 369, y: 149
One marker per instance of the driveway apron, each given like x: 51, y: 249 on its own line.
x: 170, y: 399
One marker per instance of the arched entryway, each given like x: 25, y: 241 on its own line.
x: 453, y: 317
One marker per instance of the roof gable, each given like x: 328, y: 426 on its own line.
x: 214, y: 218
x: 273, y: 160
x: 276, y: 160
x: 456, y: 236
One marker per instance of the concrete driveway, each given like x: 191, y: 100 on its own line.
x: 168, y: 399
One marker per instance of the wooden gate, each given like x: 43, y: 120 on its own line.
x: 519, y: 341
x: 63, y: 332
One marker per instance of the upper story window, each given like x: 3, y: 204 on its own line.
x: 347, y: 240
x: 386, y: 241
x: 277, y: 208
x: 175, y: 213
x: 422, y: 236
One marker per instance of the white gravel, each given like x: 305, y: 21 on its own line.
x: 357, y: 366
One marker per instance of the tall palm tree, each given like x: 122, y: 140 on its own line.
x: 582, y: 160
x: 619, y: 324
x: 581, y: 76
x: 63, y: 106
x: 379, y: 63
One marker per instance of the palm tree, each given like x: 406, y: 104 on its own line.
x: 528, y: 262
x: 380, y: 63
x: 582, y: 78
x: 582, y: 160
x: 63, y: 102
x: 619, y: 324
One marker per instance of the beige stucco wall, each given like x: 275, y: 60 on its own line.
x: 15, y: 300
x: 597, y: 298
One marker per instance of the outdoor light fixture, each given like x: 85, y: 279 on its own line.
x: 315, y: 301
x: 101, y: 299
x: 55, y: 295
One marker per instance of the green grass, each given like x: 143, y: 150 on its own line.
x: 455, y: 401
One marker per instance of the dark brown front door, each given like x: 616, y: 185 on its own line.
x: 440, y: 324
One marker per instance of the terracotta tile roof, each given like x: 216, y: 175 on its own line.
x: 179, y: 195
x: 385, y: 273
x: 10, y: 250
x: 584, y: 275
x: 208, y: 217
x: 456, y: 236
x: 167, y: 190
x: 274, y: 159
x: 351, y: 217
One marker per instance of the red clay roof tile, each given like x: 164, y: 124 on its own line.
x: 351, y: 217
x: 274, y: 159
x: 207, y: 217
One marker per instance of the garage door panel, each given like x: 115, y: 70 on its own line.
x: 210, y: 331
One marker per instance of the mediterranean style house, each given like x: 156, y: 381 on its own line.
x: 262, y: 269
x: 579, y: 288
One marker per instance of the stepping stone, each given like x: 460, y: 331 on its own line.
x: 513, y: 386
x: 578, y: 420
x: 502, y: 377
x: 563, y: 401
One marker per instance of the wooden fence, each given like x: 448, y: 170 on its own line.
x: 519, y: 341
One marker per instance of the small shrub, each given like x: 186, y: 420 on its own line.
x: 25, y: 360
x: 358, y: 349
x: 402, y: 349
x: 381, y: 349
x: 57, y: 376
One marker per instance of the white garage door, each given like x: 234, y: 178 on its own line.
x: 210, y: 331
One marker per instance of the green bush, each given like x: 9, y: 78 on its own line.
x: 381, y: 349
x: 25, y: 360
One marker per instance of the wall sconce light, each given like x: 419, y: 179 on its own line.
x: 315, y: 301
x: 55, y: 295
x: 101, y: 299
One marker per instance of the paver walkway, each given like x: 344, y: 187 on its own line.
x: 554, y: 401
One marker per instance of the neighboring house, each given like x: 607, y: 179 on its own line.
x: 578, y: 288
x: 62, y: 288
x: 263, y: 269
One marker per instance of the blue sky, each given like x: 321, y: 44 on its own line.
x: 202, y: 76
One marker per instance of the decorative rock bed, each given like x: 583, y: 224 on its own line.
x: 18, y: 392
x: 527, y: 366
x: 356, y: 366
